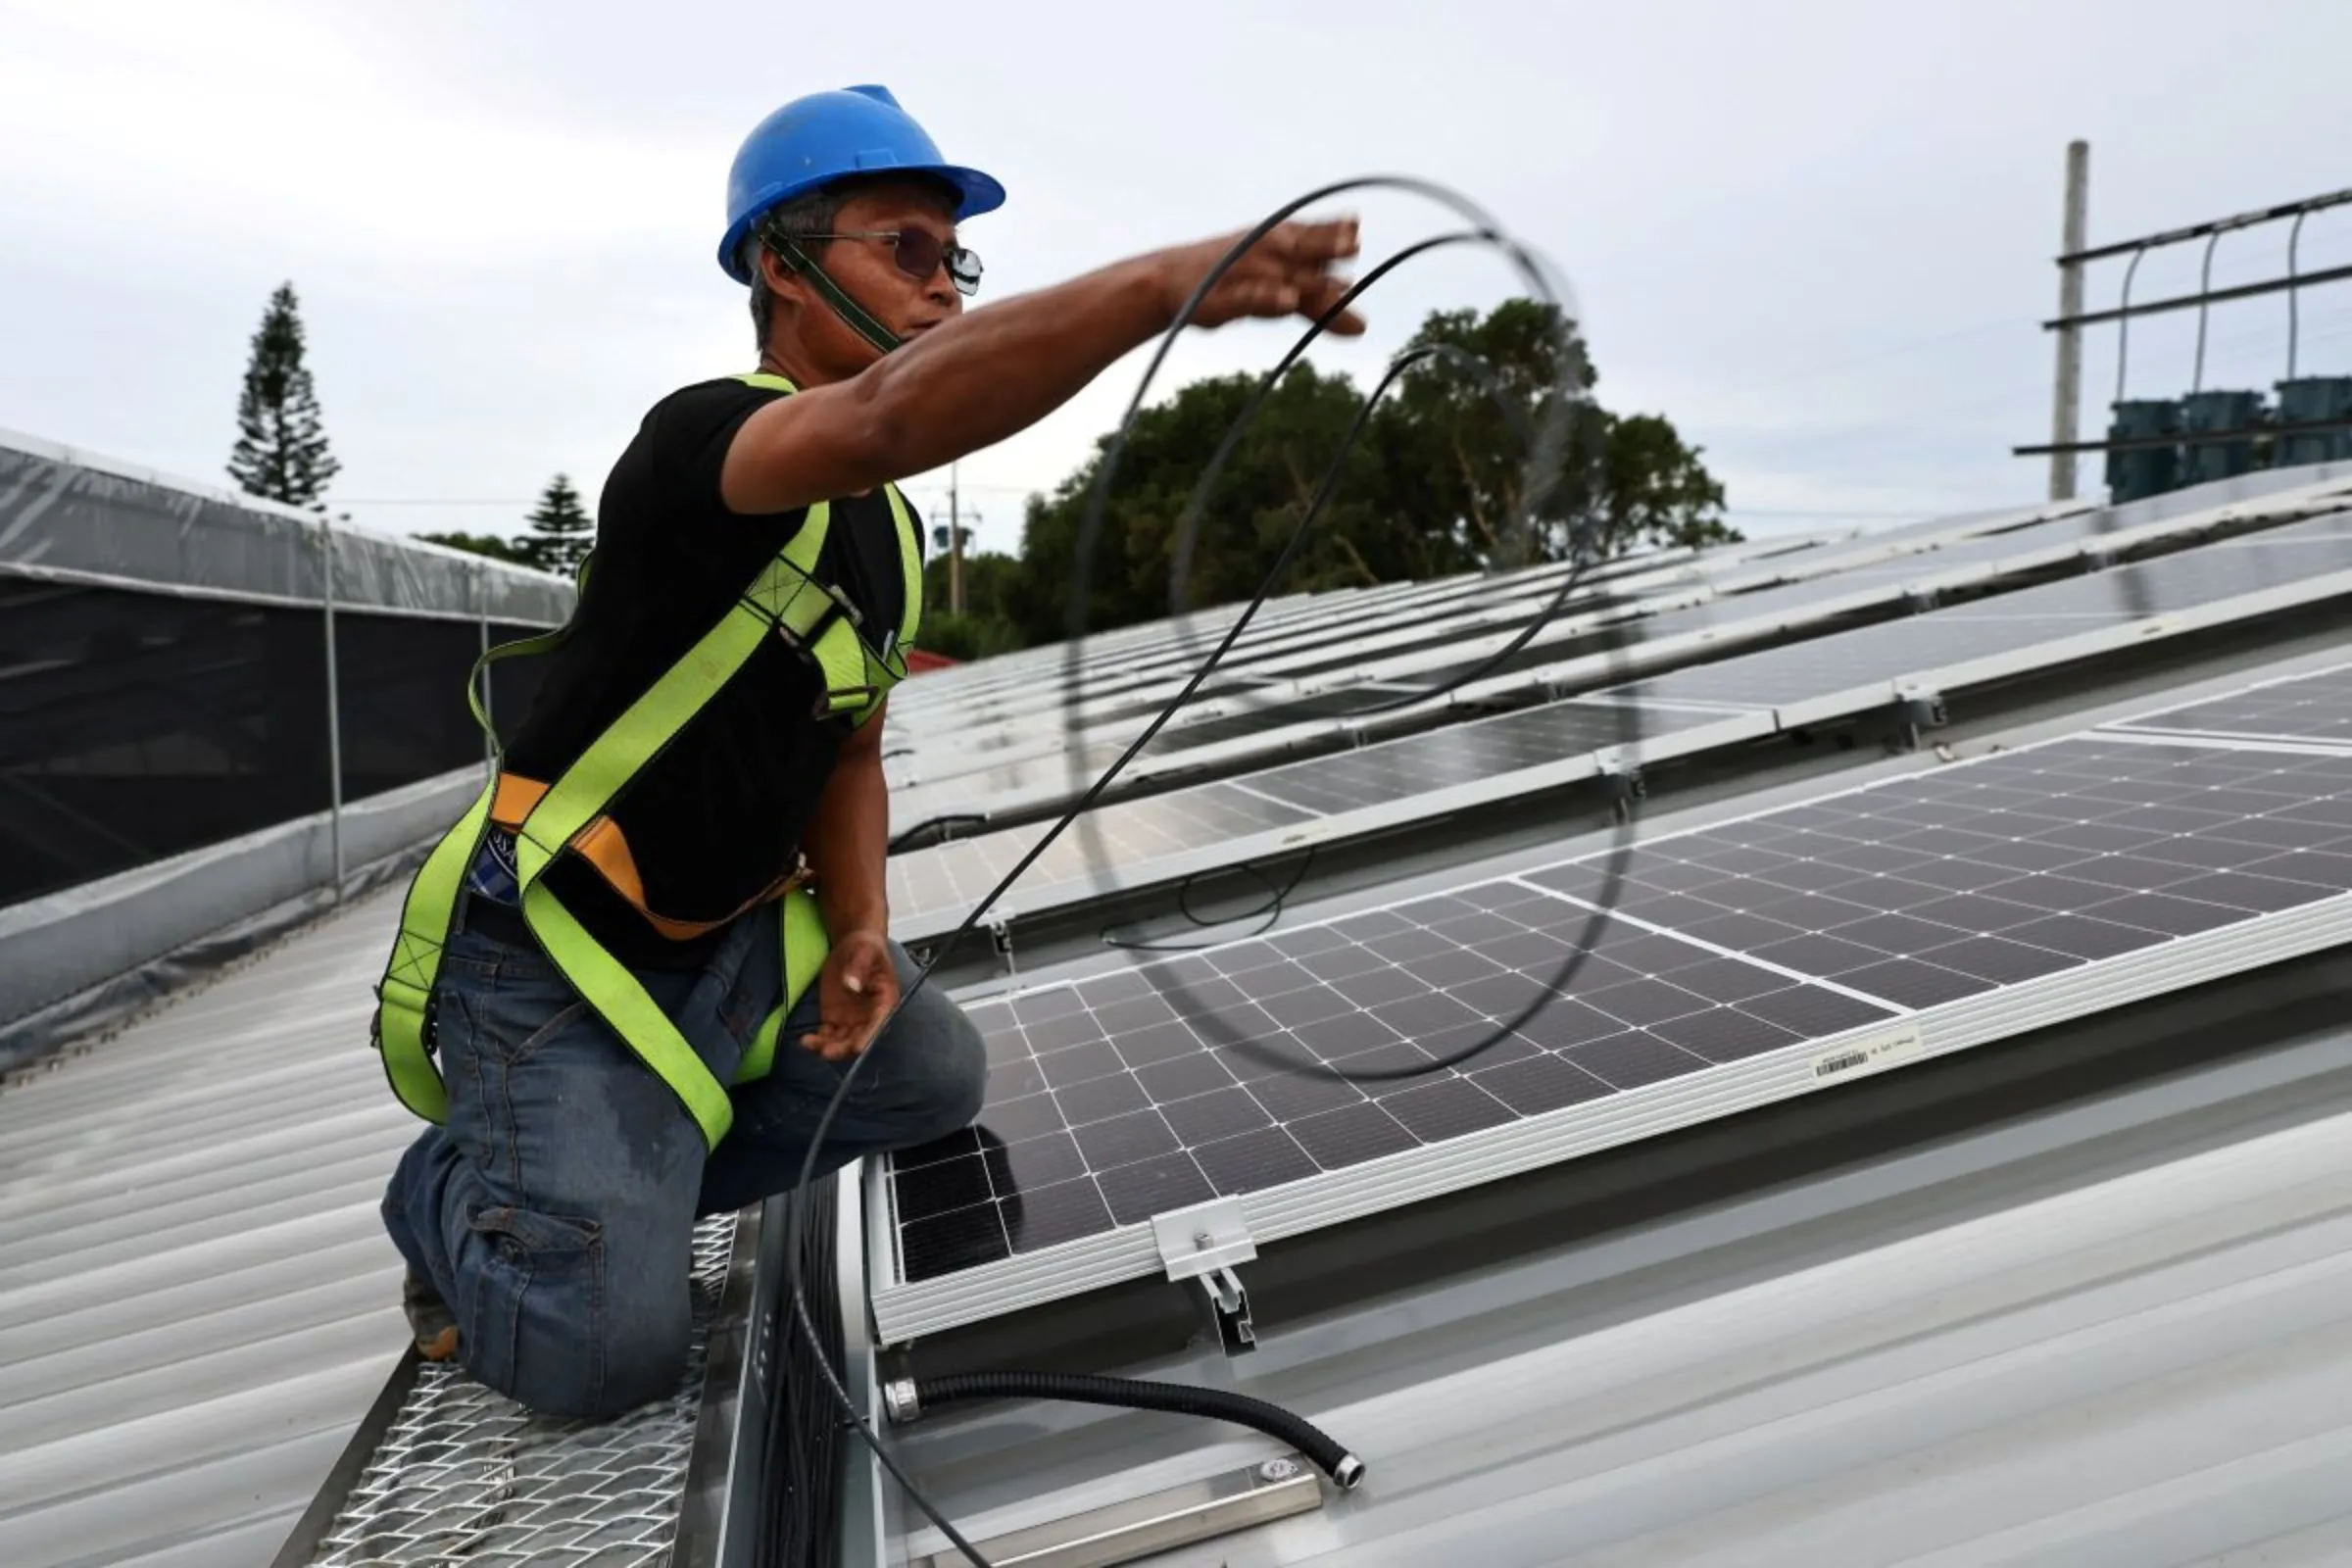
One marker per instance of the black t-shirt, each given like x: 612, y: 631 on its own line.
x: 718, y: 815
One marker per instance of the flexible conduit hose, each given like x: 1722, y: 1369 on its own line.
x: 1132, y: 1394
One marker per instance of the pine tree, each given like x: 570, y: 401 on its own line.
x: 281, y: 450
x: 561, y: 532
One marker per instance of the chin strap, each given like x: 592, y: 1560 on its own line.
x: 849, y: 310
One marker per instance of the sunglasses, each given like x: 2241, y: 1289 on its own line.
x: 918, y: 255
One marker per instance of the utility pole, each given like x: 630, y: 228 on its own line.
x: 954, y: 545
x: 2067, y: 400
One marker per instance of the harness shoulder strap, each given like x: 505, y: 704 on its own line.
x: 787, y: 599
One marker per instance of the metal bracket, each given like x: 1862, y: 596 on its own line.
x: 1000, y: 937
x: 1621, y: 780
x: 1917, y: 707
x: 1202, y: 1243
x: 1225, y: 1305
x: 1917, y: 599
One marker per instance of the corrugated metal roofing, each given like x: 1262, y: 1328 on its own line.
x: 197, y: 1301
x: 2120, y: 1333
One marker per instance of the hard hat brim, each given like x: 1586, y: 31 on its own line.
x: 981, y: 193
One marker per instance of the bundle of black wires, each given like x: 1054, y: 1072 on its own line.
x: 817, y: 1335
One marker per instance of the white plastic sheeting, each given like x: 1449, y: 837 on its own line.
x: 79, y: 958
x: 90, y: 518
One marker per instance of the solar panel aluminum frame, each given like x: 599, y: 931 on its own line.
x: 905, y: 1310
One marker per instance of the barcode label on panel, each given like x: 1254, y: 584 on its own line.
x: 1867, y: 1055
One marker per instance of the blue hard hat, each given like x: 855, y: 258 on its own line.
x: 815, y: 141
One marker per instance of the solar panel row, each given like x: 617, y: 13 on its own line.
x: 1816, y: 679
x: 1735, y: 949
x: 1568, y: 655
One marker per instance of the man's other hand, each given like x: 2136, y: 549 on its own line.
x: 855, y: 990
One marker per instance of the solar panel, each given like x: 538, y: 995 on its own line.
x: 1244, y: 698
x: 2027, y: 618
x: 1112, y: 1107
x: 931, y: 889
x: 2307, y: 707
x: 1464, y: 754
x: 2022, y: 865
x: 1747, y: 961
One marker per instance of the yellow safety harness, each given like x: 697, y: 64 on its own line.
x: 568, y: 816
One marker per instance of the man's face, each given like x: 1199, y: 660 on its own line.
x: 895, y: 260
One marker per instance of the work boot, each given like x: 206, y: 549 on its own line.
x: 429, y: 1320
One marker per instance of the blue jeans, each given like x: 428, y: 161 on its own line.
x: 554, y: 1210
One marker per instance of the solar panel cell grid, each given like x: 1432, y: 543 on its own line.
x: 2317, y: 708
x: 1178, y: 1082
x: 1951, y: 884
x: 1130, y: 1093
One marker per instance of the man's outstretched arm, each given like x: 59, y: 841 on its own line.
x: 971, y: 383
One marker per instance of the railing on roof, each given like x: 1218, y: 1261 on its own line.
x: 215, y: 705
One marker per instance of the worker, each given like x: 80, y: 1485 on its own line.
x: 628, y: 984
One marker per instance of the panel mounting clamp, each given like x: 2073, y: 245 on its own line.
x: 1202, y: 1239
x: 1621, y: 779
x: 1918, y: 707
x: 1202, y: 1243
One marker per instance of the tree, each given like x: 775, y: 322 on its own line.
x: 1435, y: 483
x: 1459, y: 430
x: 497, y: 547
x: 560, y: 531
x: 984, y: 627
x: 1142, y: 566
x: 281, y: 448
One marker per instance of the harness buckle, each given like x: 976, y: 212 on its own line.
x: 828, y: 704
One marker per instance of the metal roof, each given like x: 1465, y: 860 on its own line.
x: 2021, y: 1306
x: 197, y: 1300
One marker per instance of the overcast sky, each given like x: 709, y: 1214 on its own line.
x: 1814, y: 233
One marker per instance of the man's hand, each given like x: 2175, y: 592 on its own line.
x: 1287, y: 273
x: 855, y: 990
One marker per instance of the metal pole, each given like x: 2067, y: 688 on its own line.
x: 2294, y: 324
x: 2204, y: 310
x: 334, y: 701
x: 2123, y: 326
x: 2066, y: 403
x: 954, y: 545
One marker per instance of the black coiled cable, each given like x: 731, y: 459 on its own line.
x: 1548, y: 459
